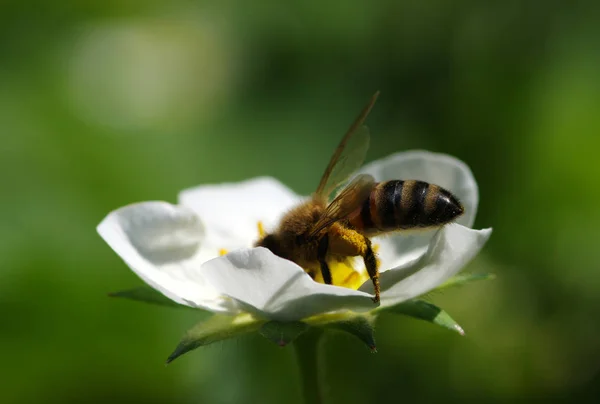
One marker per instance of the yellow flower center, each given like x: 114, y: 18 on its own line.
x: 343, y: 274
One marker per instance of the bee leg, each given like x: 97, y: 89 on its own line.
x: 322, y: 253
x: 372, y: 268
x: 349, y: 242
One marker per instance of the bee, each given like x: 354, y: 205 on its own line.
x: 316, y: 232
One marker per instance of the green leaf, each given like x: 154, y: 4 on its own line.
x: 217, y: 328
x: 147, y: 294
x: 359, y: 326
x: 423, y: 310
x: 282, y: 333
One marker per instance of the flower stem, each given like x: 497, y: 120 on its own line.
x: 307, y: 356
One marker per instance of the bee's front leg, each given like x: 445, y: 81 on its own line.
x: 321, y: 254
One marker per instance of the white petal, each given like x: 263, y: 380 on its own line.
x: 161, y: 243
x: 275, y: 288
x: 231, y: 211
x: 450, y: 250
x: 440, y: 169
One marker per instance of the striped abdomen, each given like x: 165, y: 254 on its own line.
x: 396, y: 205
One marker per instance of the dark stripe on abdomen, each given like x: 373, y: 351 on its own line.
x: 415, y: 215
x: 390, y: 198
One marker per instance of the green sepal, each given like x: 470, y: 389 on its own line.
x: 283, y: 332
x: 359, y: 326
x: 217, y: 328
x: 463, y: 279
x: 423, y: 310
x: 457, y: 281
x: 146, y: 294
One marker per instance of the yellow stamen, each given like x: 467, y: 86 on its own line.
x: 375, y: 248
x: 222, y: 252
x: 261, y: 230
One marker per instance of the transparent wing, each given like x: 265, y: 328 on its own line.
x: 349, y: 155
x: 351, y: 198
x: 350, y: 160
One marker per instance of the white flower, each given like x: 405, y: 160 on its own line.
x: 177, y: 249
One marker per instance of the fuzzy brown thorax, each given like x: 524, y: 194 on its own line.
x: 291, y: 238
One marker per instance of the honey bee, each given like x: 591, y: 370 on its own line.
x: 315, y: 232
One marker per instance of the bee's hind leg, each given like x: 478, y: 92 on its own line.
x: 349, y: 242
x: 371, y: 265
x: 322, y: 253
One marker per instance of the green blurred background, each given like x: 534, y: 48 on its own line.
x: 107, y: 103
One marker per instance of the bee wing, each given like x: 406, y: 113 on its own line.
x: 349, y: 199
x: 349, y: 155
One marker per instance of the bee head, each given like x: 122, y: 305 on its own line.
x: 269, y: 241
